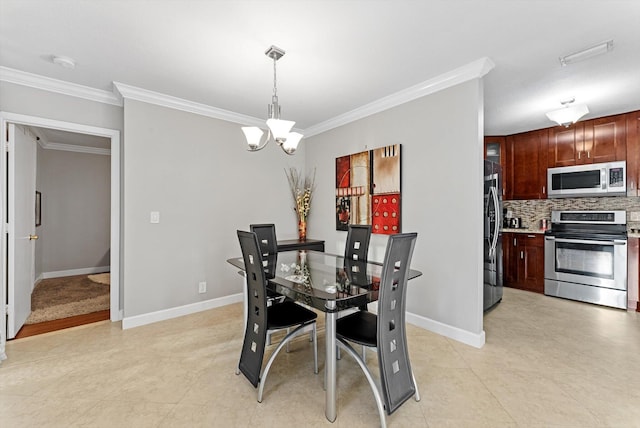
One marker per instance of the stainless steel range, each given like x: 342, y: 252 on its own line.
x: 585, y: 257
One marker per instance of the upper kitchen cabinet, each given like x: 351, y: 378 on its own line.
x: 633, y: 153
x: 590, y: 141
x: 566, y: 145
x: 526, y: 165
x: 495, y: 150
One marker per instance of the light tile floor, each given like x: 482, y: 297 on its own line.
x: 547, y: 363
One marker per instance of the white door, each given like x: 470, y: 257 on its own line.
x: 21, y: 183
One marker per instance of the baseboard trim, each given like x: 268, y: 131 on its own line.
x: 72, y: 272
x: 455, y: 333
x: 179, y: 311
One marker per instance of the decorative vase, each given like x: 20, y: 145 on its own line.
x: 302, y: 230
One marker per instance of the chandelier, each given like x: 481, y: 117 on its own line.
x: 278, y: 129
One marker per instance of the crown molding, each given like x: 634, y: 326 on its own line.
x: 473, y: 70
x: 75, y: 148
x: 59, y: 86
x: 157, y: 98
x: 49, y: 145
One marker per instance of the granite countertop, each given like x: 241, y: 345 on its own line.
x: 630, y: 234
x: 522, y: 230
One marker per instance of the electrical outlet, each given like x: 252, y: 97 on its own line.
x: 635, y: 216
x: 202, y: 287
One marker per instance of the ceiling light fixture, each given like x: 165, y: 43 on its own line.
x: 592, y: 51
x: 279, y: 130
x: 569, y: 114
x: 64, y: 61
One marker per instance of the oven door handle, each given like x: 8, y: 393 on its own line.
x: 587, y: 241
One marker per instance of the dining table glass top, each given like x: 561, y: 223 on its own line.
x: 316, y: 278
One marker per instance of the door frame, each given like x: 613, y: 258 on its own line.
x: 114, y: 136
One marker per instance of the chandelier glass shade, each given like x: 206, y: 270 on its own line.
x: 279, y: 130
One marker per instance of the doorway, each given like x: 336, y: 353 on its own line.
x: 113, y: 136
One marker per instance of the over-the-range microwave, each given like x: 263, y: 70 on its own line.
x: 597, y: 179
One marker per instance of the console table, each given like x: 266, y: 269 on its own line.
x: 295, y: 244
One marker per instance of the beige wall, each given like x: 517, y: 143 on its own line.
x: 75, y: 230
x: 196, y: 172
x: 441, y: 137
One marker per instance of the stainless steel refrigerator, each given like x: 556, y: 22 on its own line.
x: 492, y: 213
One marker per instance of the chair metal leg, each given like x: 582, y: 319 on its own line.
x: 314, y: 337
x: 374, y: 387
x: 283, y: 343
x: 288, y: 342
x: 415, y: 385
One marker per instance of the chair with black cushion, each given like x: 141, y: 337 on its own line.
x: 262, y: 319
x: 269, y: 247
x: 266, y: 238
x: 357, y: 246
x: 386, y: 331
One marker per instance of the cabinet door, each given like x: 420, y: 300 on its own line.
x: 605, y: 139
x: 531, y: 267
x: 528, y: 165
x: 495, y: 150
x: 510, y: 261
x: 633, y: 271
x: 633, y: 153
x: 566, y: 145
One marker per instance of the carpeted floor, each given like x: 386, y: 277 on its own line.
x: 58, y: 298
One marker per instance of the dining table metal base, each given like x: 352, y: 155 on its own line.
x: 330, y: 361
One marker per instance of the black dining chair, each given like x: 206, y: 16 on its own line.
x: 386, y: 331
x: 262, y: 319
x: 357, y: 246
x: 269, y: 247
x: 266, y: 238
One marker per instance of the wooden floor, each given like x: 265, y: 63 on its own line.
x: 48, y: 326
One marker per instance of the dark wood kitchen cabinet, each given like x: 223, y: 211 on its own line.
x: 495, y: 150
x: 509, y: 266
x: 566, y: 145
x: 524, y: 261
x: 590, y: 141
x: 633, y: 267
x: 633, y: 152
x: 526, y: 165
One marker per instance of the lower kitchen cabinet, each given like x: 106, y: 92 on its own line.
x: 523, y: 261
x: 633, y: 270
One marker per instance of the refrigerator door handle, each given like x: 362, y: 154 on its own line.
x: 496, y: 204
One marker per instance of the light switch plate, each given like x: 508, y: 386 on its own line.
x: 155, y: 217
x: 635, y: 216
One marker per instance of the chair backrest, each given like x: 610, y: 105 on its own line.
x: 393, y: 356
x: 268, y: 245
x: 266, y: 238
x: 256, y: 331
x: 357, y: 246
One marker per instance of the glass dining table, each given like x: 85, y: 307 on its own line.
x: 329, y: 283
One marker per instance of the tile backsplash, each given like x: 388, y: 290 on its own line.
x: 532, y: 211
